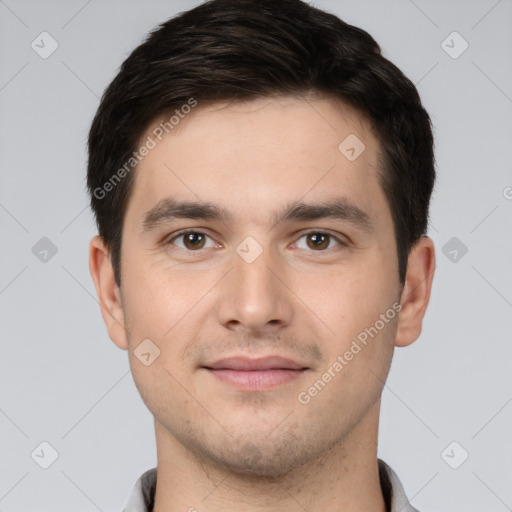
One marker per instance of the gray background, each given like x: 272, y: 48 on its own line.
x: 64, y: 382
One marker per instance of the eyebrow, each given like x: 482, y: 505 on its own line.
x: 341, y: 209
x: 169, y: 209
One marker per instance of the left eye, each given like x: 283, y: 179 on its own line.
x: 318, y: 240
x: 192, y: 240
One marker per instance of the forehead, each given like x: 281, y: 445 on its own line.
x: 251, y: 155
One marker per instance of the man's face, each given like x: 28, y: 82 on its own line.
x: 317, y: 284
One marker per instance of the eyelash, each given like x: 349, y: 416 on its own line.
x: 169, y: 241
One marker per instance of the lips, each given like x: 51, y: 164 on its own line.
x: 247, y: 364
x: 255, y: 375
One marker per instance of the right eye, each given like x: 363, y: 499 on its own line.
x: 191, y: 240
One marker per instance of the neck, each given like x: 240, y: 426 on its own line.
x: 344, y: 477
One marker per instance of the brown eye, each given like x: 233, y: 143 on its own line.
x: 193, y: 240
x: 318, y: 240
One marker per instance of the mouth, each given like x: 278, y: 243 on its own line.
x: 255, y: 374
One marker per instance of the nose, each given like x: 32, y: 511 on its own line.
x: 254, y: 298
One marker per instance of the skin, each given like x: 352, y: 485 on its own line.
x: 220, y: 447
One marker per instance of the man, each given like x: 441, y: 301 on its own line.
x: 261, y: 177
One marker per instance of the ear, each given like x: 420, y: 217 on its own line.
x: 109, y: 295
x: 416, y: 291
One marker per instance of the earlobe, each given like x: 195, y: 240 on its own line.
x: 109, y: 295
x: 416, y: 291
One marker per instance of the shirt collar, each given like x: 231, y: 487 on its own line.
x: 143, y: 494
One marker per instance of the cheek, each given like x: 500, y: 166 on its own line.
x: 159, y: 295
x: 158, y: 389
x: 351, y: 295
x: 356, y: 306
x: 359, y: 354
x: 170, y: 308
